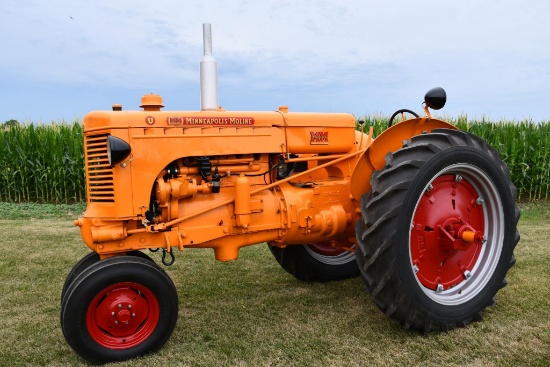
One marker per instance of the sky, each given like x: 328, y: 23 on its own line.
x: 60, y: 59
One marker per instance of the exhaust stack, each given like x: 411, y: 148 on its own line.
x: 209, y: 73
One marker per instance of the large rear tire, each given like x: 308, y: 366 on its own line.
x: 119, y: 308
x: 438, y: 231
x: 316, y: 262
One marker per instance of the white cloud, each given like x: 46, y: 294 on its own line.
x: 482, y: 52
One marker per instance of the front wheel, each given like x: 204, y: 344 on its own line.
x: 88, y: 260
x: 318, y: 262
x: 119, y: 308
x: 438, y: 231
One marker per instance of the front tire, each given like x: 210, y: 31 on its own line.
x: 316, y: 262
x: 119, y: 308
x: 438, y: 231
x: 84, y: 263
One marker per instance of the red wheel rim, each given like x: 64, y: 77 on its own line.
x: 325, y: 249
x: 450, y: 202
x: 123, y: 315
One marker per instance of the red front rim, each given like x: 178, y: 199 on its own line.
x: 123, y: 315
x: 449, y: 205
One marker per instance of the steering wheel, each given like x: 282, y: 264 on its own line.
x: 403, y: 111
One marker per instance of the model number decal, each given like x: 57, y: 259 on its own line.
x: 318, y: 138
x: 212, y: 121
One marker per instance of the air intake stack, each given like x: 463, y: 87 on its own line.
x: 209, y: 73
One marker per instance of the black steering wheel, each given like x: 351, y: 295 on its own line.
x: 404, y: 110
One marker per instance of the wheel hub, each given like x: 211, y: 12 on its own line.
x: 120, y: 312
x: 447, y: 233
x: 455, y: 234
x: 122, y: 315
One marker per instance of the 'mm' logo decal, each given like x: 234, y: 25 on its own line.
x: 319, y: 138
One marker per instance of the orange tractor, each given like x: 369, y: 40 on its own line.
x: 424, y: 213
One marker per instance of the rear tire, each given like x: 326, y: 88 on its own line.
x: 413, y: 259
x: 316, y: 262
x: 119, y: 308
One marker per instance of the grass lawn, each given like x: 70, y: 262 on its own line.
x: 252, y: 313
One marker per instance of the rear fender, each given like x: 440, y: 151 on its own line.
x: 389, y: 141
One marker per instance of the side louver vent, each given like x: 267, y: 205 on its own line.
x: 99, y: 174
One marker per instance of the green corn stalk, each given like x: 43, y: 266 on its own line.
x: 42, y: 163
x: 523, y: 145
x: 45, y: 162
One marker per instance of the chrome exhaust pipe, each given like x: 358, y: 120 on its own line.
x: 208, y: 73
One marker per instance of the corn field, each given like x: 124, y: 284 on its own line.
x: 523, y: 145
x: 42, y: 163
x: 45, y: 163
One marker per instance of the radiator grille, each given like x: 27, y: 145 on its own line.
x: 99, y: 174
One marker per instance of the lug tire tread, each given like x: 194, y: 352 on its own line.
x: 380, y: 209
